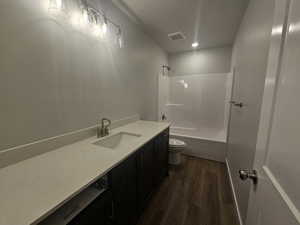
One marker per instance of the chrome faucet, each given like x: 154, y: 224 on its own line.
x: 104, y: 129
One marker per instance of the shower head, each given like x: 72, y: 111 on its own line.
x: 163, y: 69
x: 166, y: 67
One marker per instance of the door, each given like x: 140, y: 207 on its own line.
x: 145, y: 174
x: 250, y: 59
x: 275, y: 200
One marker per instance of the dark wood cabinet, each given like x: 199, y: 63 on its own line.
x: 123, y: 180
x: 161, y: 154
x: 145, y: 167
x: 152, y: 165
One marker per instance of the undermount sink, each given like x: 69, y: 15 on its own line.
x: 118, y: 140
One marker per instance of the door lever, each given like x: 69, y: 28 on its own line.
x: 239, y: 104
x: 249, y: 174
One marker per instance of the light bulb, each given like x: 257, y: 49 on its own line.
x: 97, y: 30
x: 195, y: 44
x: 59, y: 4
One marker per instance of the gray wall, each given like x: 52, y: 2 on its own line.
x: 250, y: 57
x: 212, y: 60
x: 55, y: 78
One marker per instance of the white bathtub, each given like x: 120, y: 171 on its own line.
x: 207, y: 143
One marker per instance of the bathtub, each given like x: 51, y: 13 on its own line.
x: 206, y: 143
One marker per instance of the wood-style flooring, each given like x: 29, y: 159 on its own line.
x: 196, y: 193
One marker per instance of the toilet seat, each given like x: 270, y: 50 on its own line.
x: 175, y: 143
x: 176, y: 147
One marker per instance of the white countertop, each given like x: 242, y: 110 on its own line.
x: 32, y: 189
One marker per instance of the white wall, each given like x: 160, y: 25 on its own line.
x: 56, y: 78
x: 250, y: 57
x: 212, y: 60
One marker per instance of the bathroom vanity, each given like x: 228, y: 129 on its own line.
x: 123, y: 193
x: 94, y: 181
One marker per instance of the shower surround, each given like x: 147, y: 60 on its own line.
x: 198, y: 108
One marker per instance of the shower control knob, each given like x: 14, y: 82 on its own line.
x: 232, y: 102
x: 239, y: 104
x: 248, y: 174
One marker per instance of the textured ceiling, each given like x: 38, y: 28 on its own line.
x: 212, y: 23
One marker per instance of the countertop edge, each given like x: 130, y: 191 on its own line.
x: 80, y: 189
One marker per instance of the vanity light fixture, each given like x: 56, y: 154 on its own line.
x: 85, y: 15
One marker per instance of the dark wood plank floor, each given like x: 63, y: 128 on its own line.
x: 195, y: 193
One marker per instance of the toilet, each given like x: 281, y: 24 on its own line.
x: 176, y: 147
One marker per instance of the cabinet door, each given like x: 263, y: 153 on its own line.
x: 161, y: 157
x: 124, y: 188
x: 145, y: 174
x: 165, y: 149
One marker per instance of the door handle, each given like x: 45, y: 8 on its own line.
x: 249, y: 174
x: 238, y: 104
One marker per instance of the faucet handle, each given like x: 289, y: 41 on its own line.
x: 105, y: 128
x: 106, y: 120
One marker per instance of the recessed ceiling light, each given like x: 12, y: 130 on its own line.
x: 195, y: 44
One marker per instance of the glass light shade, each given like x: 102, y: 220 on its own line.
x: 55, y: 4
x: 119, y: 38
x: 97, y: 30
x: 85, y: 17
x: 120, y: 41
x: 104, y: 28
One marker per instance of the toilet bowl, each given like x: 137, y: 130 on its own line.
x: 176, y: 147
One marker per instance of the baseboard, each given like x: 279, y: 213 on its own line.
x: 234, y: 193
x: 203, y: 157
x: 207, y: 149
